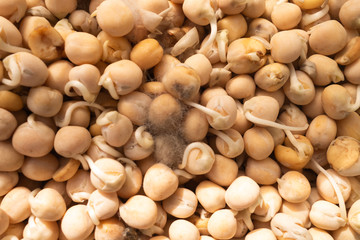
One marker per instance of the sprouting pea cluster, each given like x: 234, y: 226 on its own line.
x: 180, y: 119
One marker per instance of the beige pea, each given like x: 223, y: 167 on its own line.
x: 349, y: 126
x: 11, y: 37
x: 164, y: 113
x: 321, y: 132
x: 29, y: 23
x: 254, y: 8
x: 4, y: 220
x: 182, y: 82
x: 8, y: 124
x: 345, y: 232
x: 300, y: 89
x: 210, y: 195
x: 37, y: 228
x: 14, y: 230
x: 264, y: 172
x: 319, y: 38
x: 352, y: 73
x: 326, y: 215
x: 318, y: 233
x: 135, y: 106
x: 167, y: 62
x: 74, y: 113
x: 33, y: 138
x: 10, y: 101
x: 241, y: 86
x: 294, y: 156
x: 182, y: 229
x: 255, y: 137
x: 102, y: 206
x: 271, y: 203
x: 160, y: 182
x: 115, y: 128
x: 109, y: 229
x: 278, y: 95
x: 141, y: 206
x: 47, y: 204
x: 326, y: 189
x: 241, y: 123
x: 260, y: 233
x: 314, y: 108
x: 140, y: 145
x: 294, y: 187
x: 282, y: 41
x: 133, y: 182
x: 286, y: 15
x: 277, y: 134
x: 298, y: 210
x: 327, y: 70
x: 82, y: 21
x: 46, y: 43
x: 201, y: 65
x: 147, y: 53
x: 210, y: 92
x: 76, y: 223
x: 90, y: 52
x: 198, y: 158
x: 152, y: 89
x: 114, y: 48
x: 44, y: 101
x: 60, y: 10
x: 72, y: 140
x: 79, y: 187
x: 107, y: 15
x: 8, y: 180
x: 14, y: 11
x: 261, y: 27
x: 246, y: 55
x: 58, y: 75
x: 235, y: 24
x: 222, y: 224
x: 223, y: 172
x: 181, y: 204
x: 67, y: 169
x: 337, y: 102
x: 350, y: 53
x: 121, y: 78
x: 293, y: 116
x: 349, y: 14
x: 40, y: 168
x: 60, y: 187
x: 107, y: 174
x: 236, y: 190
x: 195, y: 125
x: 272, y: 77
x: 306, y: 4
x: 15, y: 204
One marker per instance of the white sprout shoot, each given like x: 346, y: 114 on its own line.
x: 108, y: 179
x: 253, y: 56
x: 107, y: 82
x: 269, y: 123
x: 107, y: 117
x: 309, y: 18
x: 183, y: 173
x: 80, y: 196
x: 14, y: 71
x: 265, y: 42
x: 313, y: 164
x: 213, y: 32
x: 67, y: 118
x: 144, y: 140
x: 300, y: 146
x: 245, y: 216
x: 234, y: 147
x: 222, y: 42
x: 91, y: 212
x: 84, y: 91
x: 217, y: 118
x: 127, y: 161
x: 100, y: 142
x: 6, y: 47
x: 42, y: 12
x: 295, y: 84
x: 206, y: 154
x: 190, y: 39
x: 355, y: 106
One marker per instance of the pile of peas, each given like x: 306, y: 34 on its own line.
x: 180, y: 119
